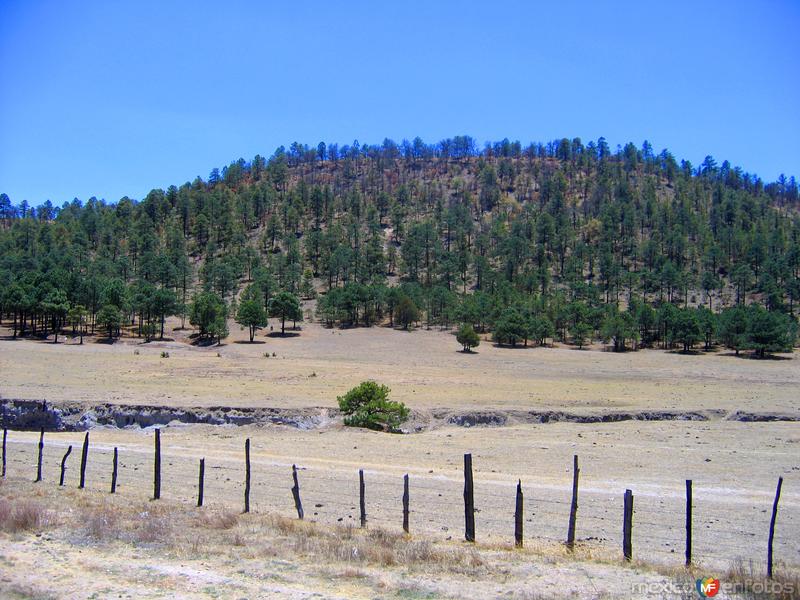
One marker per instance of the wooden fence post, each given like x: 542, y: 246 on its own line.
x: 772, y: 526
x: 296, y: 493
x: 84, y: 457
x: 247, y: 475
x: 362, y: 502
x: 157, y: 467
x: 39, y: 461
x: 405, y: 503
x: 5, y: 435
x: 688, y: 522
x: 518, y: 516
x: 200, y: 482
x: 64, y: 465
x: 627, y: 526
x: 114, y: 473
x: 469, y: 500
x: 573, y: 510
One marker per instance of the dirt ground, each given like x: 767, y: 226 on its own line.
x: 734, y: 465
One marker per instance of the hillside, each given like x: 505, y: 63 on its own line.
x: 562, y: 241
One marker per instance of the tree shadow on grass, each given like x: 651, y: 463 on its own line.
x: 30, y: 337
x: 510, y: 347
x: 155, y: 340
x: 248, y: 342
x: 204, y: 342
x: 278, y: 334
x: 753, y: 356
x: 11, y: 338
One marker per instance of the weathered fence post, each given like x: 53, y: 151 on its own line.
x: 405, y: 503
x: 772, y: 526
x: 114, y: 473
x: 688, y: 522
x: 627, y: 526
x: 362, y: 501
x: 573, y: 510
x: 518, y: 516
x: 157, y: 467
x: 5, y: 435
x: 247, y: 475
x: 84, y: 457
x: 469, y: 500
x: 200, y: 482
x: 39, y: 461
x: 64, y: 465
x: 296, y: 493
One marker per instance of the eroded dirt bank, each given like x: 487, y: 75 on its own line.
x: 77, y: 416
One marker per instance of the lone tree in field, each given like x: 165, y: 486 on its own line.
x: 251, y: 313
x: 467, y: 337
x: 285, y: 306
x: 368, y: 405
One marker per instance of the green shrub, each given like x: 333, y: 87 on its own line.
x: 368, y: 405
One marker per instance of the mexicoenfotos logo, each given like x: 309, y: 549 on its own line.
x: 708, y: 587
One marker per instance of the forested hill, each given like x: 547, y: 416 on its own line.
x: 560, y: 241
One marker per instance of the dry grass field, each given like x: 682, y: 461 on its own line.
x: 734, y: 466
x: 425, y: 369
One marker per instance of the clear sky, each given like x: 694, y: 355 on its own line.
x: 113, y: 98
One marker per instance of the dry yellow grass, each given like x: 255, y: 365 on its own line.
x: 98, y: 545
x: 424, y: 369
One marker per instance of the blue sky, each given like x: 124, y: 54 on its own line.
x: 114, y: 98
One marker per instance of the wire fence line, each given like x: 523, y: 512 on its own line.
x: 722, y: 531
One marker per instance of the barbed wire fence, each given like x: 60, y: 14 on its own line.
x: 719, y: 533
